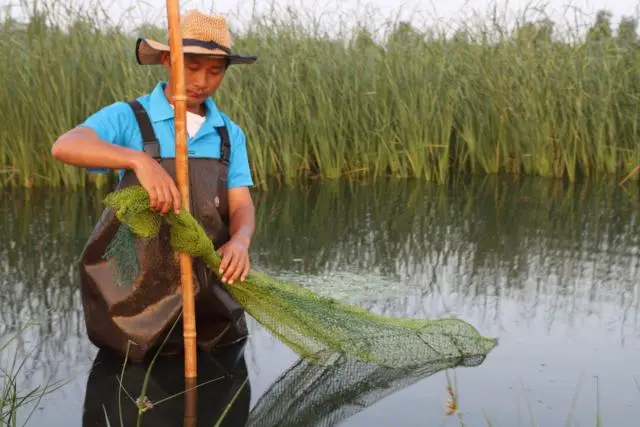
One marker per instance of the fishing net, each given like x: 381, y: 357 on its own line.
x: 310, y: 324
x: 316, y: 395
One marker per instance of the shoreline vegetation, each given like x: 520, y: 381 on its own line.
x: 402, y: 102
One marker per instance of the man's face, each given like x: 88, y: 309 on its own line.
x: 203, y: 75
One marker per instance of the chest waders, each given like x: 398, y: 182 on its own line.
x: 144, y: 311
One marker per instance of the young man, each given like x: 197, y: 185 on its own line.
x: 137, y: 138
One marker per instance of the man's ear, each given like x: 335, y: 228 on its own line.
x: 165, y: 60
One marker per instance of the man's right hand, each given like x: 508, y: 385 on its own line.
x: 82, y: 147
x: 163, y: 192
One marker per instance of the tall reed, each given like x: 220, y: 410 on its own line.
x: 416, y: 103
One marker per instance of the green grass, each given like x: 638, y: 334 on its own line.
x: 14, y: 398
x: 416, y: 103
x: 453, y: 406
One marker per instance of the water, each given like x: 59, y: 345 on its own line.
x: 551, y: 270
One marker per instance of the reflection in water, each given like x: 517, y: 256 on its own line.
x: 43, y: 233
x: 305, y: 395
x: 430, y: 251
x: 398, y: 228
x: 322, y: 395
x: 222, y: 391
x: 529, y: 256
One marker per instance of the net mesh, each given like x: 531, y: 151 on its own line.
x: 310, y: 324
x: 122, y: 251
x: 323, y: 395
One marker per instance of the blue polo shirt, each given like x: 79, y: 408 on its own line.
x: 117, y: 124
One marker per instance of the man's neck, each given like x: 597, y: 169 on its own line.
x: 199, y: 110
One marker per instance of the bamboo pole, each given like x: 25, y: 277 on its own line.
x: 190, y: 403
x: 182, y: 177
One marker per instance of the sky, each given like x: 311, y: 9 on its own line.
x: 422, y: 12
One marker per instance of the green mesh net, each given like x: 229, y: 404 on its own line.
x: 308, y: 394
x: 310, y: 324
x: 122, y: 250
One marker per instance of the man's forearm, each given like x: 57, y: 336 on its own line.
x: 81, y: 147
x: 243, y: 223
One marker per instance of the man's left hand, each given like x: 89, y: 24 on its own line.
x: 235, y: 260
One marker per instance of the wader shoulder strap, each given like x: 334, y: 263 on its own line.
x: 149, y: 139
x: 225, y: 145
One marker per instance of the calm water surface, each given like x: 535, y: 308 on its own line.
x: 551, y: 270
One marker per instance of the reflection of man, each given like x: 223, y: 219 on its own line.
x: 221, y: 374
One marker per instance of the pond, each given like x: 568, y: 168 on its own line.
x: 550, y: 269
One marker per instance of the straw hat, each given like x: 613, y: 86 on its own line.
x: 201, y: 34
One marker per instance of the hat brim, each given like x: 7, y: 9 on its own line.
x: 149, y: 52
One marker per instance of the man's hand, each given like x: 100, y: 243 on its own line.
x: 163, y: 193
x: 235, y: 253
x: 235, y: 259
x: 82, y: 147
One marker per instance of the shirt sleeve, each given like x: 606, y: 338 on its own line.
x: 110, y: 123
x: 239, y: 170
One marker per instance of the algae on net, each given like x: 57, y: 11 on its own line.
x: 310, y: 324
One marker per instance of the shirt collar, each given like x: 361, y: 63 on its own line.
x: 160, y: 108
